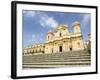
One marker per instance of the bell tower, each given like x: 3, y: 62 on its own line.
x: 76, y: 27
x: 49, y: 36
x: 78, y: 38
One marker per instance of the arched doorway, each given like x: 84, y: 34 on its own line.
x: 70, y: 48
x: 60, y: 48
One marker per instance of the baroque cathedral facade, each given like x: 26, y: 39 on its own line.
x: 59, y: 40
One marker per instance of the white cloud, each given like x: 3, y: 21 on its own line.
x: 42, y: 18
x: 36, y: 38
x: 85, y: 25
x: 29, y: 13
x: 33, y: 36
x: 46, y: 21
x: 85, y: 19
x: 51, y: 22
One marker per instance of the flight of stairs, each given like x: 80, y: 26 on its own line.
x: 68, y: 59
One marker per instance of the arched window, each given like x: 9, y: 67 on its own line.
x: 36, y: 50
x: 52, y: 50
x: 40, y: 50
x: 48, y: 37
x: 33, y: 51
x: 78, y: 44
x: 60, y: 34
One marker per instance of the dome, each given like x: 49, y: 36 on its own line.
x: 63, y: 26
x: 76, y: 23
x: 50, y: 31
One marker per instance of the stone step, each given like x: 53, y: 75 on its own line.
x: 39, y: 57
x: 63, y: 53
x: 59, y: 61
x: 74, y: 58
x: 39, y: 66
x: 66, y: 59
x: 68, y: 53
x: 55, y: 64
x: 58, y: 58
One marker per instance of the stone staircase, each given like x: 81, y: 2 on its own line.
x: 68, y: 59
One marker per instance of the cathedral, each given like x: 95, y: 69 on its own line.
x: 59, y: 40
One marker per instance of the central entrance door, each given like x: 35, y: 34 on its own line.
x: 70, y: 49
x: 60, y: 48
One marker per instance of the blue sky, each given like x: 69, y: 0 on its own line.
x: 36, y: 24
